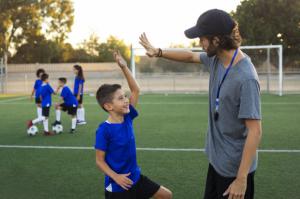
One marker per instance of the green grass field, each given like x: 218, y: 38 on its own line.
x: 173, y: 121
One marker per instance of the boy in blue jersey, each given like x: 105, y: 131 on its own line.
x: 45, y: 94
x: 35, y: 91
x: 68, y: 104
x: 115, y: 143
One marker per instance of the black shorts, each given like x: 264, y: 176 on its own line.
x: 143, y: 189
x: 38, y: 100
x: 80, y: 98
x: 71, y: 110
x: 45, y: 111
x: 216, y: 185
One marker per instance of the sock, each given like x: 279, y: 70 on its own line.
x: 74, y: 122
x: 38, y: 120
x: 82, y: 114
x: 58, y: 114
x: 79, y: 114
x: 45, y: 123
x: 39, y: 112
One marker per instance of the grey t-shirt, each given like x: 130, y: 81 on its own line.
x: 239, y: 100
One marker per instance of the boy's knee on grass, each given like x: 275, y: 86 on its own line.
x: 163, y: 193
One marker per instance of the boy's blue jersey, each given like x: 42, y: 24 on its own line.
x: 77, y: 83
x: 37, y: 85
x: 118, y: 143
x: 69, y: 98
x: 45, y: 92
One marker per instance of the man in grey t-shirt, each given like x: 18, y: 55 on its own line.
x: 234, y: 128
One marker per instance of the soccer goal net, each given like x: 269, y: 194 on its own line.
x: 162, y: 75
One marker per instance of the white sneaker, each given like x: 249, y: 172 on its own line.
x: 81, y: 122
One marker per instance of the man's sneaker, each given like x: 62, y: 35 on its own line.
x: 56, y: 123
x: 72, y: 131
x: 81, y: 122
x: 29, y: 124
x: 49, y: 133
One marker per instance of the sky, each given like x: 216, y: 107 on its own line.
x: 164, y: 21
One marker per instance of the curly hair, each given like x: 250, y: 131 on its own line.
x: 228, y: 42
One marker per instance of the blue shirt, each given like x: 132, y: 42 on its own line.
x: 45, y: 92
x: 37, y: 85
x: 69, y: 98
x: 77, y: 83
x: 118, y: 143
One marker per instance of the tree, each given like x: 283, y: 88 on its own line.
x: 271, y: 22
x: 106, y: 49
x: 21, y: 20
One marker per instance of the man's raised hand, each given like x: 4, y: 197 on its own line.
x: 151, y: 51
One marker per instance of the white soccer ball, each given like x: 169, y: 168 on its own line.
x: 32, y: 131
x: 58, y: 129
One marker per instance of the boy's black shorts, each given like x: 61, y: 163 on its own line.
x: 80, y: 99
x: 143, y: 189
x: 71, y: 110
x: 216, y: 185
x: 46, y: 111
x: 38, y: 100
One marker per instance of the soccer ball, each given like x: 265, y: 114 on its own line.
x: 58, y: 128
x: 32, y: 131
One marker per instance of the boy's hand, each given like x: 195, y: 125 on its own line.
x: 151, y: 51
x: 123, y: 181
x: 119, y: 59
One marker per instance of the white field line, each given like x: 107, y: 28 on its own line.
x: 13, y: 100
x: 8, y: 102
x: 139, y: 149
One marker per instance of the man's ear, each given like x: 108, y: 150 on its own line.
x: 216, y: 41
x: 108, y: 106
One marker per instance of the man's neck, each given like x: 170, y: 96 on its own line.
x: 115, y: 118
x: 226, y: 56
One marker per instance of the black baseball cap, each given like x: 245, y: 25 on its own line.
x: 212, y: 22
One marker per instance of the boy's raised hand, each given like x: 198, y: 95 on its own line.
x: 123, y: 181
x: 119, y: 59
x: 151, y: 50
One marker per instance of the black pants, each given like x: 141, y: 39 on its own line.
x: 216, y: 185
x: 143, y: 189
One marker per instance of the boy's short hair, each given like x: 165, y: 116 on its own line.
x: 63, y: 80
x: 39, y: 71
x: 105, y: 93
x: 44, y: 77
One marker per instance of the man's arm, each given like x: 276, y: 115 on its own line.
x: 120, y: 179
x: 238, y: 188
x: 132, y: 83
x: 176, y: 55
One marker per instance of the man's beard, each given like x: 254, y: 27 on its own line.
x: 211, y: 51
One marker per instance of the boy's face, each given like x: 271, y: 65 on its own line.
x: 60, y: 83
x: 46, y: 80
x: 119, y: 103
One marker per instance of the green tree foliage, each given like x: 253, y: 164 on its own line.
x: 271, y: 22
x: 23, y: 20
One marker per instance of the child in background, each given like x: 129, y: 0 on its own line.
x: 115, y: 143
x: 69, y: 103
x: 78, y: 93
x: 45, y: 94
x: 35, y: 91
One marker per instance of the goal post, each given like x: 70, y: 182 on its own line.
x: 159, y: 75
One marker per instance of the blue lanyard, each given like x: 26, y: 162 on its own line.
x: 224, y: 77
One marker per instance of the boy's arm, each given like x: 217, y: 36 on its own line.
x: 176, y: 55
x: 120, y: 179
x: 132, y: 83
x: 32, y: 93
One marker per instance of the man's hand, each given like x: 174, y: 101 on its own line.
x: 123, y: 180
x: 119, y: 59
x: 151, y: 51
x: 237, y: 189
